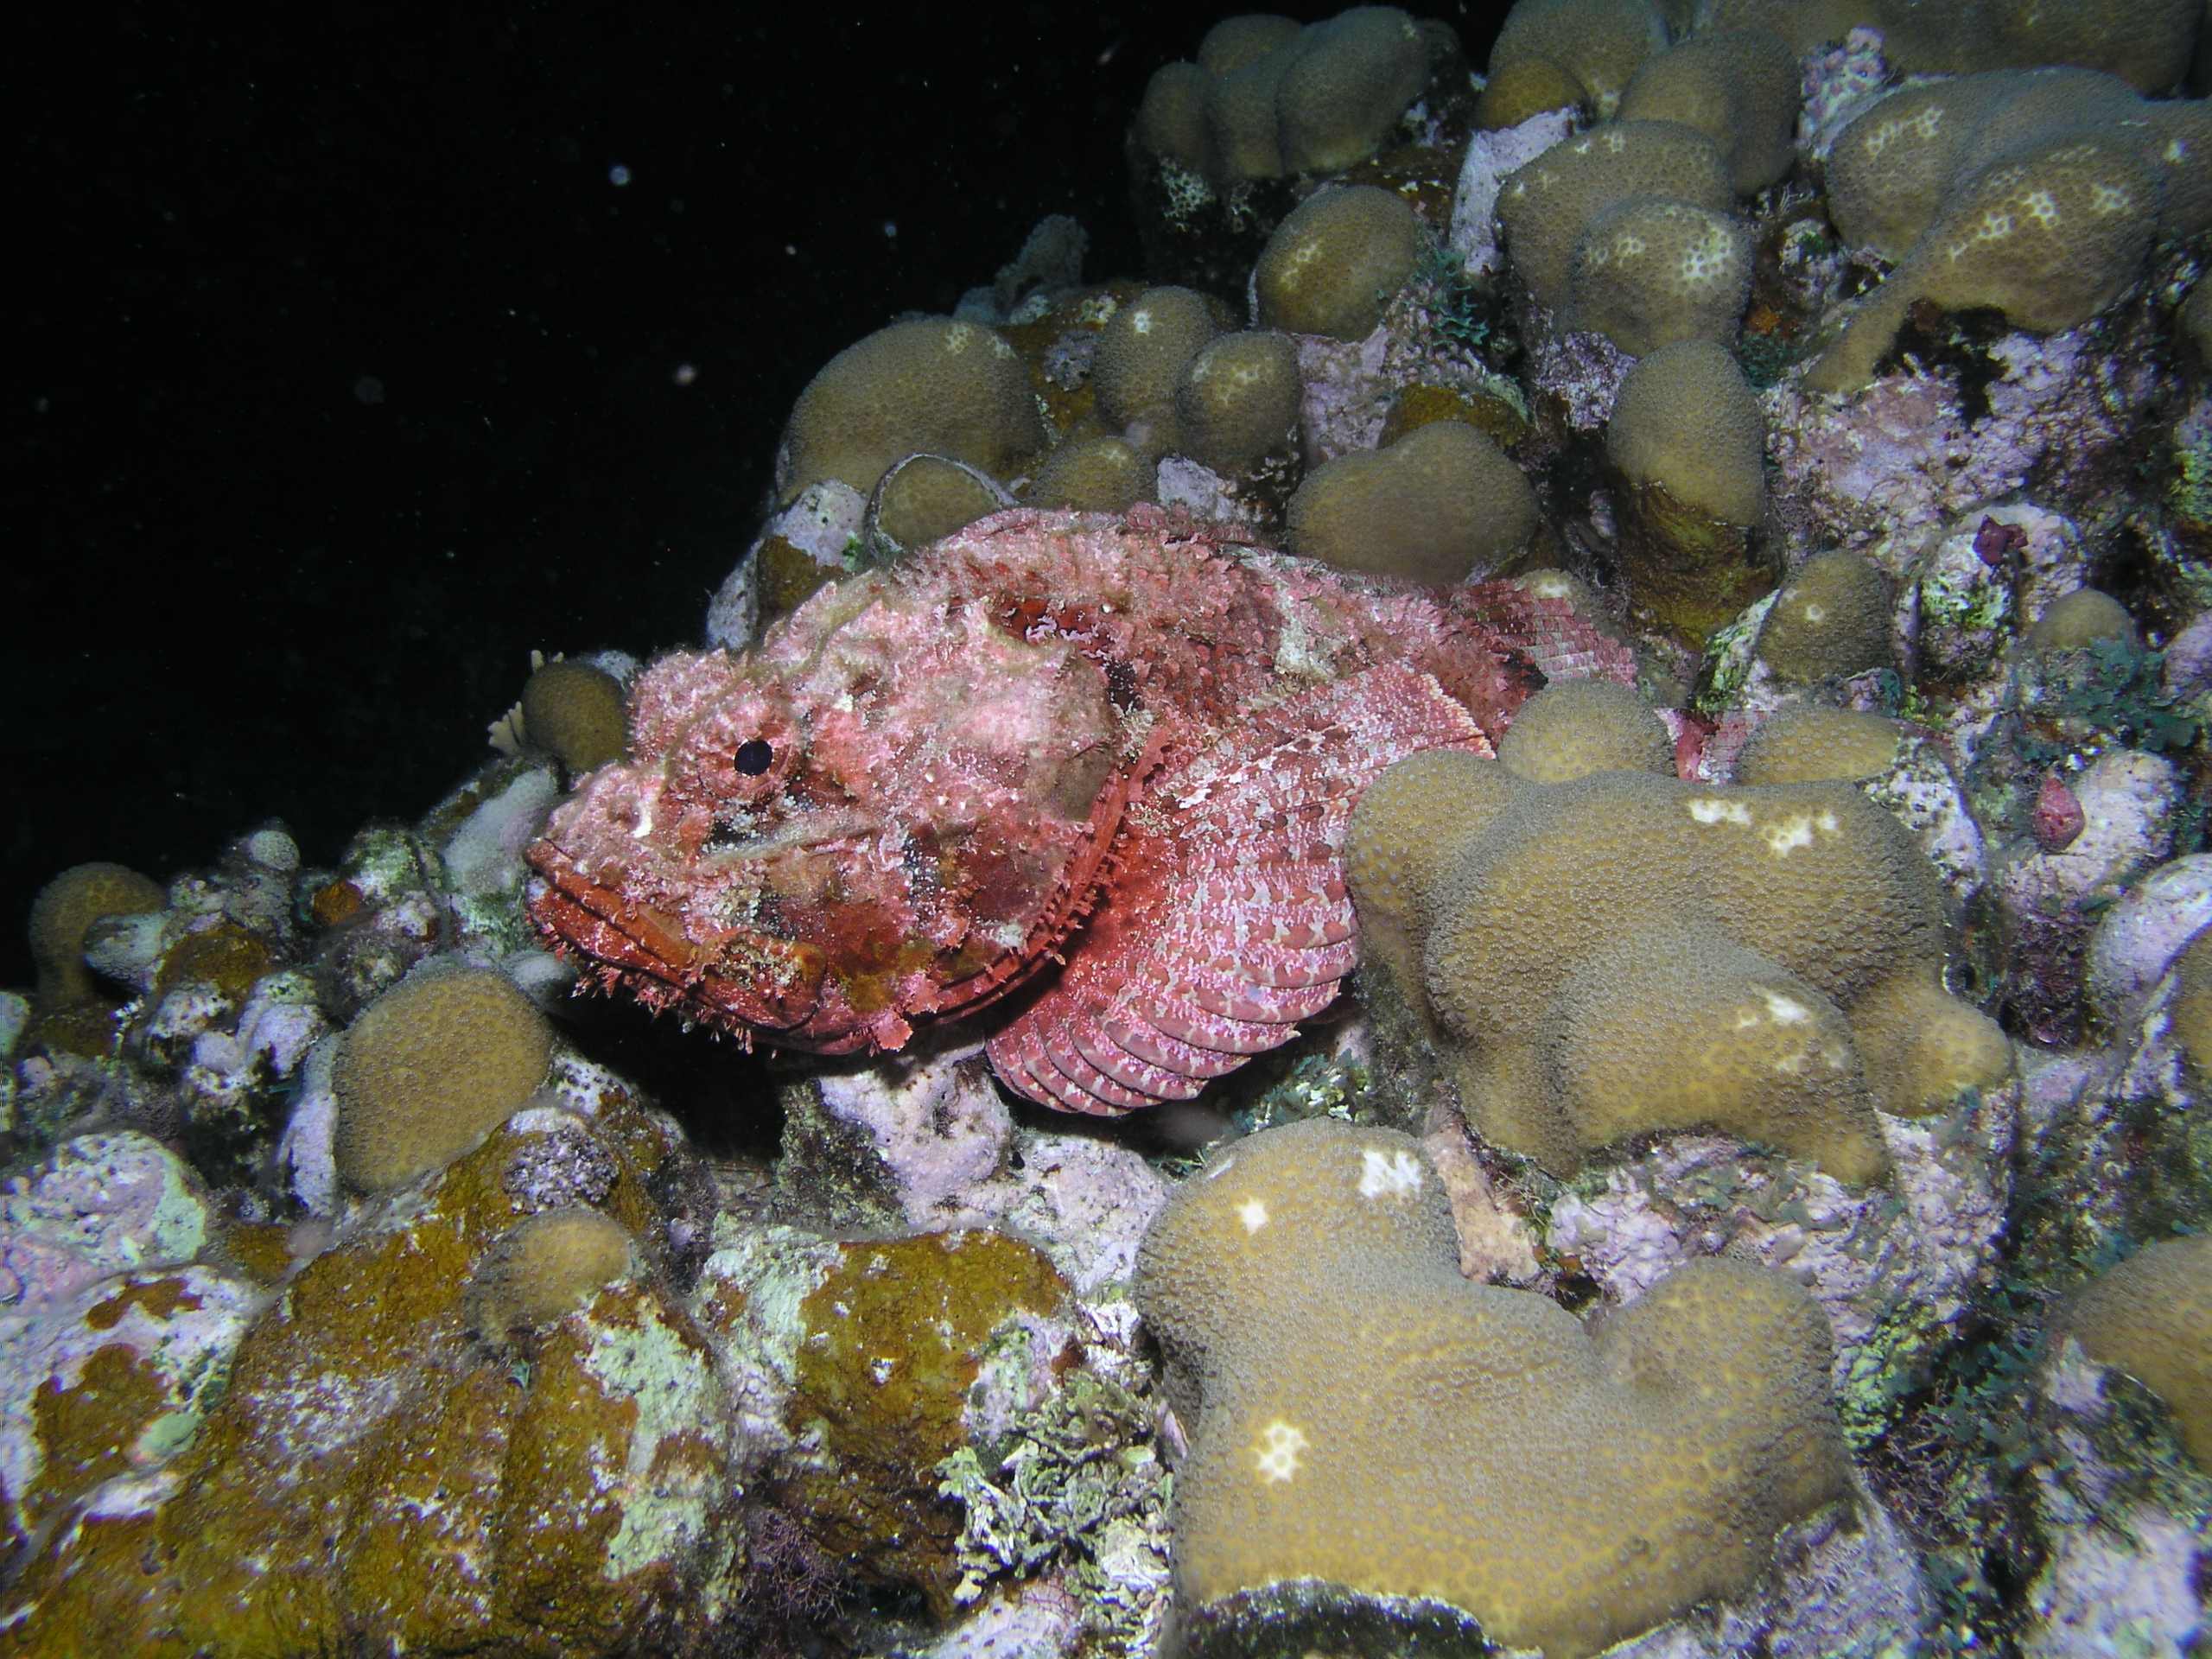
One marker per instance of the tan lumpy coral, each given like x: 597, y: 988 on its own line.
x: 927, y: 496
x: 1648, y: 272
x: 1572, y: 1485
x: 1440, y: 504
x: 69, y: 904
x: 429, y: 1068
x: 1142, y: 352
x: 1546, y: 206
x: 1687, y: 438
x: 1349, y: 80
x: 2152, y: 1317
x: 1830, y: 617
x: 1525, y: 89
x: 1703, y: 955
x: 574, y: 711
x: 1738, y: 87
x: 1335, y: 261
x: 1600, y: 43
x: 2192, y: 1007
x: 1572, y: 727
x: 1238, y: 400
x: 546, y: 1266
x: 932, y: 385
x: 2035, y: 193
x: 1687, y: 422
x: 1268, y: 96
x: 1094, y: 475
x: 2082, y: 618
x: 1806, y: 743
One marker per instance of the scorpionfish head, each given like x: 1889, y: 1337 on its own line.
x: 895, y: 806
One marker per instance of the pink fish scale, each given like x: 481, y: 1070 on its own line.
x: 1227, y: 923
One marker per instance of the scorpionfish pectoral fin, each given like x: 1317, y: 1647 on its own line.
x: 1223, y: 919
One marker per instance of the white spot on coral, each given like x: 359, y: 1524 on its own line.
x: 1276, y: 1455
x: 1253, y: 1213
x: 1784, y: 1010
x: 1713, y: 809
x: 1388, y: 1173
x: 1140, y: 321
x: 2105, y: 199
x: 1787, y: 837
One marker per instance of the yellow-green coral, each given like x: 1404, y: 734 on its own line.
x: 1648, y: 272
x: 1688, y: 439
x: 1095, y: 474
x: 1441, y: 503
x: 1571, y: 1487
x: 932, y: 386
x: 65, y: 907
x: 1142, y: 352
x: 1704, y: 954
x: 1599, y: 43
x: 1335, y: 261
x: 2076, y: 621
x: 2192, y: 1007
x: 1831, y: 617
x: 575, y: 711
x: 1546, y: 206
x: 1268, y: 97
x: 2152, y: 1317
x: 1572, y: 727
x: 1808, y: 743
x: 926, y: 497
x: 546, y: 1266
x: 1738, y: 87
x: 2037, y: 195
x: 429, y: 1069
x: 1238, y: 400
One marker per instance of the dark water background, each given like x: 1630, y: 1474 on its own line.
x: 349, y: 373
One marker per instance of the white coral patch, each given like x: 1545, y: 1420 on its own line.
x: 1388, y: 1173
x: 1713, y: 809
x: 1787, y: 837
x: 1253, y: 1213
x: 1276, y: 1454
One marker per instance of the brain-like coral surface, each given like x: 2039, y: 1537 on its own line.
x: 932, y: 385
x: 1599, y: 44
x: 1571, y: 1487
x: 1648, y: 272
x: 431, y: 1067
x: 1547, y: 206
x: 1440, y: 504
x: 1333, y: 264
x: 1764, y: 961
x: 2035, y: 193
x: 1268, y: 97
x: 2152, y: 1317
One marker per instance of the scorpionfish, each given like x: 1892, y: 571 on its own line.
x: 1097, y: 766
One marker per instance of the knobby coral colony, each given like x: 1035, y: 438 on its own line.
x: 1643, y: 615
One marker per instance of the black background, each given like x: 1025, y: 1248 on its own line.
x: 347, y: 374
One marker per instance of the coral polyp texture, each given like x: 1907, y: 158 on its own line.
x: 1572, y: 1488
x: 1642, y: 619
x: 1124, y: 740
x: 1767, y: 961
x: 431, y: 1067
x: 2038, y: 194
x: 2152, y: 1317
x: 933, y: 386
x: 1268, y: 97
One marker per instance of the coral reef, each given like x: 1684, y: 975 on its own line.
x: 1317, y: 1261
x: 1591, y: 689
